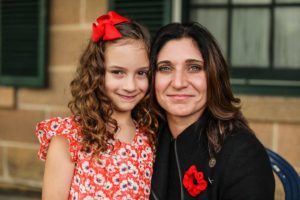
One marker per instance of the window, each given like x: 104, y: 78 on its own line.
x: 152, y: 14
x: 22, y: 42
x: 259, y: 38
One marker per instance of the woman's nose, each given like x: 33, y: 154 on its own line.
x: 179, y: 80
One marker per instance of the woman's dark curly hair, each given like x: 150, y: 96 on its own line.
x: 224, y: 108
x: 91, y: 107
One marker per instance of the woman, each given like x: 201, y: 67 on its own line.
x: 206, y: 149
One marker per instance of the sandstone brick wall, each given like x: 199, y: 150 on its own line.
x: 21, y: 108
x: 276, y: 120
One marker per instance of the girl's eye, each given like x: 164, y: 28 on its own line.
x: 117, y: 72
x: 143, y: 73
x: 195, y: 68
x: 164, y: 68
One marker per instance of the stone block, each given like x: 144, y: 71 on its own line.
x: 57, y: 94
x: 7, y: 97
x: 1, y: 162
x: 95, y: 8
x: 60, y: 113
x: 288, y: 143
x: 14, y: 191
x: 24, y: 164
x: 19, y: 125
x: 272, y: 109
x: 66, y: 46
x: 264, y: 132
x: 279, y: 191
x: 64, y: 12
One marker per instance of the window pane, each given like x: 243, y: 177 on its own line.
x: 250, y: 38
x: 287, y: 41
x: 215, y: 20
x: 153, y: 14
x: 287, y: 1
x: 23, y: 30
x: 251, y: 1
x: 208, y: 1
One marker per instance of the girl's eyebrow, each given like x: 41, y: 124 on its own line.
x: 125, y: 69
x: 115, y: 67
x: 143, y: 68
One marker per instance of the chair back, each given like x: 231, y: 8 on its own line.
x: 287, y: 174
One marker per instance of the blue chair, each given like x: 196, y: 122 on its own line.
x: 286, y: 173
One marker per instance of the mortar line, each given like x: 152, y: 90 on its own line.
x: 275, y: 137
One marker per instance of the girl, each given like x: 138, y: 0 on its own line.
x: 105, y: 150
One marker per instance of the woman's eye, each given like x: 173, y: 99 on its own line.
x: 164, y: 68
x: 195, y: 68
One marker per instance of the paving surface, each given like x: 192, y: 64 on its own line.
x: 19, y: 195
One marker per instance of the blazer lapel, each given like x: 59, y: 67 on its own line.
x: 159, y: 183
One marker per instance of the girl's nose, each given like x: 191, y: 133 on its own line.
x: 129, y: 84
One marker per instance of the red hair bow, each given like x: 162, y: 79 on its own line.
x: 105, y: 29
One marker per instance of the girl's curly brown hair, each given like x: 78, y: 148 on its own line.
x: 91, y: 107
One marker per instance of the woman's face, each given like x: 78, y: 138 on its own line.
x: 126, y: 76
x: 180, y: 81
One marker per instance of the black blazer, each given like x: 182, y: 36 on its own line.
x: 242, y: 170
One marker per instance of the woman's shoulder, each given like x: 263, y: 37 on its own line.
x: 242, y: 136
x: 242, y: 151
x: 242, y: 146
x: 243, y: 159
x: 57, y: 126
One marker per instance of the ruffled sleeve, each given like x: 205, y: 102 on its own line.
x: 65, y: 127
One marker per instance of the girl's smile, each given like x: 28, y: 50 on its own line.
x: 126, y: 76
x: 127, y: 97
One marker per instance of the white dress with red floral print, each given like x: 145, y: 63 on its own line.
x: 123, y: 173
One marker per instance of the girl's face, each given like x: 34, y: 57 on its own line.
x: 180, y: 81
x: 126, y: 76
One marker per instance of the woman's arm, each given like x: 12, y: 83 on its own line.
x: 59, y: 170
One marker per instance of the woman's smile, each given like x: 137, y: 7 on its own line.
x: 180, y: 97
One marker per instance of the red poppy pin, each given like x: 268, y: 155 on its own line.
x: 194, y: 181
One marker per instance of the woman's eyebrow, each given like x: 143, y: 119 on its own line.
x: 194, y: 60
x: 163, y: 62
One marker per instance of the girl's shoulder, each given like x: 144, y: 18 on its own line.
x: 57, y: 126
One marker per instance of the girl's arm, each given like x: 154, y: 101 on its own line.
x: 59, y: 170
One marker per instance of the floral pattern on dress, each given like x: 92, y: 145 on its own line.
x: 122, y: 173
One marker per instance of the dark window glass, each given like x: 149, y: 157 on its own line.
x: 259, y: 38
x: 22, y: 42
